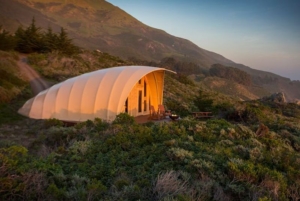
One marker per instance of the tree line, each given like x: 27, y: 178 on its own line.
x: 34, y: 40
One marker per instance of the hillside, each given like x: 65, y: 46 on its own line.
x: 100, y: 25
x: 233, y: 89
x: 230, y: 73
x: 250, y: 150
x: 12, y: 81
x: 14, y: 87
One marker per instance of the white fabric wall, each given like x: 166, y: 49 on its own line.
x: 99, y: 94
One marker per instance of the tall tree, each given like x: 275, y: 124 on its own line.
x: 65, y: 43
x: 7, y: 41
x: 50, y: 41
x: 33, y: 39
x: 29, y: 40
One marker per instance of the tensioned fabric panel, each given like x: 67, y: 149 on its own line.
x: 155, y: 90
x: 100, y: 94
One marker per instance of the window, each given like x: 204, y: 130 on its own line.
x: 140, y: 101
x: 126, y: 105
x: 145, y: 105
x: 145, y: 88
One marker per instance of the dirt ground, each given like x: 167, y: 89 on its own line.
x: 23, y: 132
x: 37, y: 83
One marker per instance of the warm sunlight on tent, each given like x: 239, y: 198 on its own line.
x: 100, y: 94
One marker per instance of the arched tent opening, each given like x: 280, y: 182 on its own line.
x: 100, y: 94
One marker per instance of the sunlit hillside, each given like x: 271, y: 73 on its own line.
x: 247, y: 151
x: 100, y: 25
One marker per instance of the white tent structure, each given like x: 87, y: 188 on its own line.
x: 103, y: 93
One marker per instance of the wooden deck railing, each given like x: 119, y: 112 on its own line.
x: 199, y: 115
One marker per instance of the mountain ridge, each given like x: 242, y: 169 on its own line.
x: 154, y: 43
x: 101, y: 25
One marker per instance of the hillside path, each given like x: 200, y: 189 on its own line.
x: 37, y: 83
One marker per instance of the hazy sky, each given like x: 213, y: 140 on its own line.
x: 262, y: 34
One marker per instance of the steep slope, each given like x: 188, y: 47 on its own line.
x: 233, y: 89
x: 12, y: 82
x: 100, y: 25
x: 271, y: 82
x: 37, y: 83
x: 97, y: 24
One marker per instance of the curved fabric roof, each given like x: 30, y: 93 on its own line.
x: 99, y: 94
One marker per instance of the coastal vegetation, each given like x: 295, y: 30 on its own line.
x: 188, y: 159
x: 230, y: 73
x: 249, y: 150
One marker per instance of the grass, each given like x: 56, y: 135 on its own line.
x: 9, y: 110
x: 56, y: 67
x: 11, y: 82
x: 184, y: 160
x: 217, y: 159
x: 8, y: 114
x: 14, y: 90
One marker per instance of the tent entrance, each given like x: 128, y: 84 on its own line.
x: 140, y: 101
x: 126, y: 106
x: 146, y: 92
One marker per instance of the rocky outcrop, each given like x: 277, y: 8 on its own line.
x: 276, y: 98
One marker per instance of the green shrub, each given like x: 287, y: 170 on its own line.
x: 177, y: 107
x: 185, y: 80
x: 100, y: 125
x: 7, y: 41
x: 218, y: 124
x: 53, y: 123
x: 55, y: 192
x: 12, y: 84
x: 36, y: 58
x: 95, y: 189
x: 124, y: 118
x: 203, y: 101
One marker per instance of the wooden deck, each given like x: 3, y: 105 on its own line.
x: 146, y: 118
x: 200, y: 115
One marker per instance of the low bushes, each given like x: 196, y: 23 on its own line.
x: 184, y: 160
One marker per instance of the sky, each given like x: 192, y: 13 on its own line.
x: 261, y: 34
